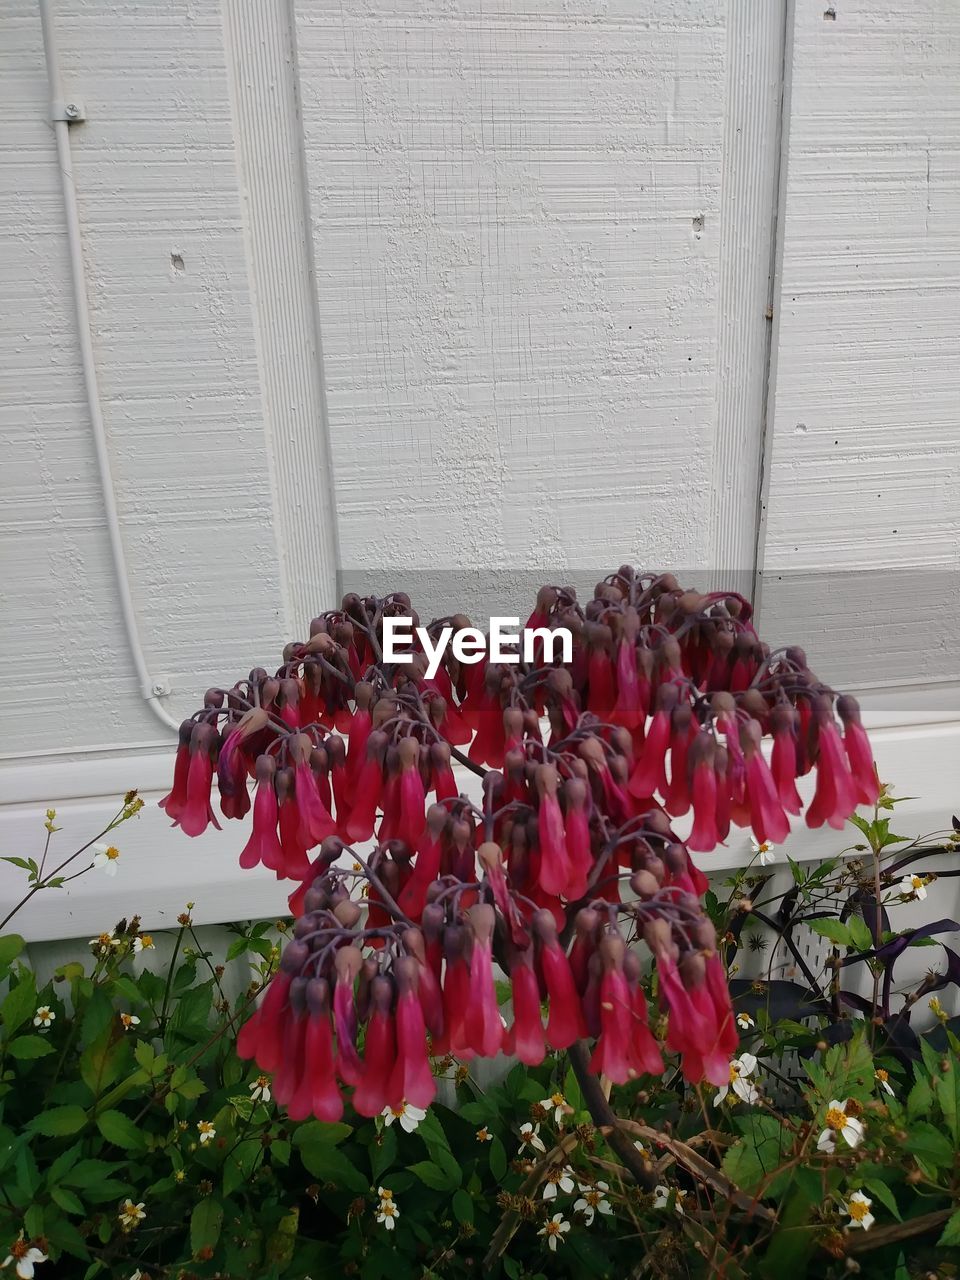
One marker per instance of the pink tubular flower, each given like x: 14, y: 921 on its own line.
x: 613, y: 1054
x: 835, y: 797
x: 767, y: 818
x: 347, y: 962
x: 649, y: 774
x: 373, y: 1093
x: 260, y: 1035
x: 196, y: 814
x: 483, y: 1026
x: 173, y: 803
x: 565, y: 1022
x: 555, y: 869
x: 411, y: 793
x: 367, y: 789
x: 317, y: 1093
x: 577, y: 836
x: 527, y: 1032
x: 703, y: 834
x: 857, y: 746
x: 264, y: 843
x: 411, y: 1080
x: 784, y: 759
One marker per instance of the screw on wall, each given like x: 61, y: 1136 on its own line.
x: 72, y: 111
x: 161, y: 687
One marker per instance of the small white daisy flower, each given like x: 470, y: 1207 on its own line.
x: 26, y: 1256
x: 555, y: 1103
x: 744, y: 1021
x: 260, y: 1089
x: 763, y: 852
x: 408, y: 1115
x: 129, y: 1020
x: 883, y: 1080
x: 206, y: 1131
x: 44, y: 1018
x: 592, y: 1201
x: 105, y: 858
x: 559, y: 1178
x: 143, y: 942
x: 858, y: 1207
x: 554, y: 1231
x: 914, y: 886
x: 661, y: 1198
x: 131, y: 1215
x: 838, y: 1122
x: 387, y: 1211
x: 740, y: 1070
x: 530, y: 1137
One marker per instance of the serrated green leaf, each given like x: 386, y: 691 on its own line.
x: 19, y: 1004
x: 462, y: 1206
x: 320, y: 1133
x: 946, y: 1085
x: 951, y: 1232
x: 884, y: 1195
x: 11, y: 945
x: 832, y: 929
x: 120, y: 1131
x: 59, y: 1121
x: 498, y: 1159
x: 206, y: 1223
x: 69, y: 1201
x: 929, y: 1145
x: 27, y: 1047
x: 758, y: 1154
x: 383, y: 1153
x: 328, y: 1164
x: 919, y: 1099
x: 861, y: 935
x: 432, y: 1176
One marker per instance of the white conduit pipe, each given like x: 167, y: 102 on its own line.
x: 62, y: 113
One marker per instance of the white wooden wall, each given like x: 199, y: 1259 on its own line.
x: 522, y: 291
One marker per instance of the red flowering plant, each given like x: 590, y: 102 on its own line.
x: 559, y: 873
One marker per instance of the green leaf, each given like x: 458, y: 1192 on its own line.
x: 951, y: 1232
x: 919, y: 1099
x: 462, y: 1206
x: 11, y: 944
x: 319, y: 1133
x: 67, y: 1200
x: 26, y: 1047
x: 102, y: 1061
x: 89, y: 1173
x: 930, y: 1145
x: 498, y: 1159
x: 947, y: 1088
x: 431, y: 1175
x: 861, y: 935
x: 120, y: 1130
x: 832, y: 929
x: 758, y: 1154
x: 327, y: 1164
x: 206, y: 1222
x: 884, y: 1195
x: 20, y: 1003
x: 59, y: 1121
x: 383, y: 1153
x: 431, y: 1131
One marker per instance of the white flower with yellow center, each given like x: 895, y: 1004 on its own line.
x: 763, y: 852
x: 838, y: 1122
x: 387, y: 1212
x: 260, y: 1089
x: 44, y: 1018
x: 661, y: 1198
x: 740, y: 1071
x: 143, y: 942
x: 530, y: 1137
x: 206, y: 1131
x: 105, y: 942
x: 744, y: 1021
x: 409, y: 1116
x: 558, y: 1179
x: 129, y: 1020
x: 554, y: 1231
x: 858, y: 1207
x: 555, y: 1103
x: 484, y: 1135
x: 131, y: 1215
x: 592, y: 1201
x: 883, y: 1080
x: 914, y: 886
x: 25, y: 1255
x: 106, y: 858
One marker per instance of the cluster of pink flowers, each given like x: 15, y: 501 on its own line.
x: 569, y: 861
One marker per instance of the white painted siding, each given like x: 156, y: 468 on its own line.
x: 535, y: 246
